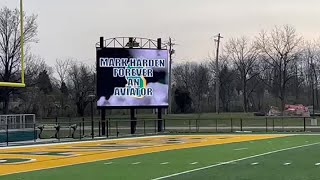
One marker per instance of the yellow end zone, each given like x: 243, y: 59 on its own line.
x: 24, y: 159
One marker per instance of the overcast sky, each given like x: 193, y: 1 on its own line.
x: 70, y: 28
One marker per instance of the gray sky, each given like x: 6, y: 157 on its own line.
x: 70, y: 28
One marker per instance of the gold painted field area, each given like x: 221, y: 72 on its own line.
x: 24, y: 159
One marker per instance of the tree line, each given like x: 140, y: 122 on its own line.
x: 273, y: 68
x: 65, y: 94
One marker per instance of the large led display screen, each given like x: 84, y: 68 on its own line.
x: 132, y: 77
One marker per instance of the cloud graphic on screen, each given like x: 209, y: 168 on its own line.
x: 159, y: 98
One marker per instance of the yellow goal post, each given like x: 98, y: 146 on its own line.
x: 22, y: 83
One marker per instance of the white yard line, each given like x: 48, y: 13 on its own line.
x: 239, y: 149
x: 194, y: 163
x: 236, y: 160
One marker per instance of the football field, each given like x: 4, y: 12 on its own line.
x: 225, y: 156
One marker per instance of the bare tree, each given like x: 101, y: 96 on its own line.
x: 281, y: 49
x: 199, y: 81
x: 62, y: 68
x: 10, y: 47
x: 81, y: 83
x: 244, y: 56
x: 311, y: 64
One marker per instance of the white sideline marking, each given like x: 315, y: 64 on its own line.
x: 164, y: 163
x: 108, y: 163
x: 194, y: 163
x: 317, y: 164
x: 255, y: 163
x: 236, y: 160
x: 286, y: 164
x: 239, y: 149
x: 78, y: 142
x: 136, y: 163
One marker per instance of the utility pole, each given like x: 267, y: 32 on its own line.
x: 217, y: 74
x: 171, y: 52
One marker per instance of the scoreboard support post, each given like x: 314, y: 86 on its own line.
x: 160, y: 122
x: 133, y: 121
x: 103, y: 121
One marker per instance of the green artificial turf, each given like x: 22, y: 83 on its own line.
x: 149, y: 166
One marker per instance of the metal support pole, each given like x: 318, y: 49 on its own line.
x: 92, y: 123
x: 99, y: 128
x: 304, y: 124
x: 117, y: 129
x: 133, y: 121
x: 80, y: 131
x: 197, y: 125
x: 103, y: 121
x: 231, y: 125
x: 159, y: 119
x: 241, y: 124
x: 155, y: 126
x: 217, y: 80
x: 83, y: 126
x: 216, y: 125
x: 34, y: 132
x: 266, y: 124
x: 7, y: 133
x: 272, y: 124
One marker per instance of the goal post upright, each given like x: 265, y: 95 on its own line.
x: 22, y: 83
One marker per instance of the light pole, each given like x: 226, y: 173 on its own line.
x: 92, y: 97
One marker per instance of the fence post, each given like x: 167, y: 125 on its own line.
x: 99, y: 128
x: 80, y: 131
x: 282, y: 124
x: 109, y: 126
x: 241, y: 124
x: 273, y: 124
x: 197, y: 126
x: 155, y: 126
x: 304, y: 124
x: 7, y: 132
x: 83, y: 126
x: 231, y: 125
x: 117, y: 128
x: 266, y: 124
x: 34, y: 132
x: 216, y: 125
x: 69, y: 126
x: 59, y: 133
